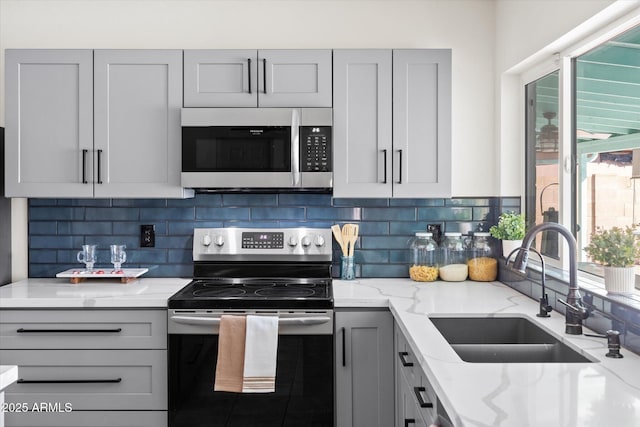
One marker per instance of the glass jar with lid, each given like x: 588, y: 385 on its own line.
x: 423, y: 249
x: 483, y: 264
x: 455, y: 267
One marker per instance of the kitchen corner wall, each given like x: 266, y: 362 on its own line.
x: 58, y: 227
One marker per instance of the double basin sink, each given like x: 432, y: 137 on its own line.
x: 505, y: 340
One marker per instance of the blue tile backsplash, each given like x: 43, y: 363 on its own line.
x: 58, y: 227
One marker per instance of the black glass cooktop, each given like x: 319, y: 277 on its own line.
x: 254, y: 293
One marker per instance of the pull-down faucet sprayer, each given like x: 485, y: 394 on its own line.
x: 575, y: 311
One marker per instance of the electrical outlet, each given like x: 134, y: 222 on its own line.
x: 147, y: 236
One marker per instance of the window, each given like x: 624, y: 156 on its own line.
x: 542, y: 159
x: 604, y: 189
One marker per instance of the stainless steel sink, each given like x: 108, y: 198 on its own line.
x: 505, y: 340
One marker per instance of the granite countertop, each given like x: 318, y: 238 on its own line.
x: 606, y: 393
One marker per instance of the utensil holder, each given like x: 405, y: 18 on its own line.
x: 347, y: 268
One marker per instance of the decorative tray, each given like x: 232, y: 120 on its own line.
x: 126, y: 275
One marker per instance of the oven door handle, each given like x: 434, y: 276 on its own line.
x: 192, y: 320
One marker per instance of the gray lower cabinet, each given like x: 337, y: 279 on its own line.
x: 364, y: 368
x: 392, y: 123
x: 257, y: 78
x: 85, y: 123
x: 86, y: 367
x: 417, y: 404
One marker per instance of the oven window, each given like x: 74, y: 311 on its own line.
x: 236, y: 149
x: 304, y: 385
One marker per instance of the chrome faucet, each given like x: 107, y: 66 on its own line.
x: 575, y: 311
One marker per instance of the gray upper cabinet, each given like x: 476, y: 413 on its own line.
x: 257, y: 78
x: 83, y: 123
x: 49, y: 123
x: 362, y: 129
x: 392, y: 123
x: 138, y: 96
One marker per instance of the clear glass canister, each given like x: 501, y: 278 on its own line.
x: 455, y: 267
x: 483, y: 265
x: 423, y: 250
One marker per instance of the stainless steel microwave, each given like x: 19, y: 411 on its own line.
x: 257, y: 148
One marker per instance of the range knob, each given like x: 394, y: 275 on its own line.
x: 319, y: 241
x: 293, y: 241
x: 206, y: 240
x: 218, y: 240
x: 306, y: 241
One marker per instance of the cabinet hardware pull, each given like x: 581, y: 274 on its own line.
x: 23, y: 331
x: 408, y: 421
x: 400, y: 167
x: 344, y: 346
x: 384, y: 153
x: 23, y: 381
x: 84, y: 166
x: 249, y: 64
x: 423, y: 403
x: 99, y: 167
x: 264, y: 74
x: 402, y: 355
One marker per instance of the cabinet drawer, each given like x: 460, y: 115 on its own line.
x: 88, y: 419
x: 426, y: 398
x: 90, y: 379
x: 405, y: 358
x: 83, y: 329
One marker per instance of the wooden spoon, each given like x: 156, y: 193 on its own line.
x: 337, y: 234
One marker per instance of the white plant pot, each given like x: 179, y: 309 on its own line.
x: 619, y: 280
x: 509, y: 246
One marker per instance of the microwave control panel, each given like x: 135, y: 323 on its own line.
x: 315, y: 148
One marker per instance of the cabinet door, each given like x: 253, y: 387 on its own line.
x: 294, y: 78
x: 49, y: 124
x: 362, y: 123
x: 364, y: 369
x: 90, y: 379
x: 422, y: 123
x: 138, y: 96
x: 220, y: 78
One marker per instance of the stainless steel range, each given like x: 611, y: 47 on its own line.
x: 282, y: 272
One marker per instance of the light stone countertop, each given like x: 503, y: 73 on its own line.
x: 606, y: 393
x: 98, y: 293
x: 8, y: 375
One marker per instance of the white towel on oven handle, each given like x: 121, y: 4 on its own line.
x: 260, y: 354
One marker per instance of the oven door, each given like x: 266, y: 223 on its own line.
x: 240, y: 148
x: 304, y: 375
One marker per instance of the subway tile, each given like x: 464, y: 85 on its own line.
x: 56, y: 213
x: 368, y: 257
x: 361, y: 202
x: 445, y: 214
x: 335, y: 214
x: 251, y: 224
x: 373, y: 228
x: 400, y: 256
x: 50, y: 242
x: 416, y: 202
x: 384, y: 270
x: 260, y: 213
x: 105, y: 203
x: 186, y: 227
x: 181, y: 203
x: 482, y: 214
x: 144, y: 256
x: 221, y: 214
x: 112, y: 214
x: 468, y: 202
x: 249, y: 200
x: 174, y: 242
x: 140, y: 203
x: 384, y: 242
x: 180, y: 256
x: 389, y: 214
x: 308, y: 224
x: 169, y: 214
x: 207, y: 199
x: 91, y: 227
x: 43, y: 256
x: 302, y: 199
x: 43, y: 227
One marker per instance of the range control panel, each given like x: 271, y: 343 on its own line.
x: 265, y: 244
x: 315, y: 148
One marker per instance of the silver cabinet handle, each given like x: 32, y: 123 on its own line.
x: 192, y: 320
x: 249, y: 65
x: 99, y: 167
x: 384, y: 154
x: 399, y: 166
x: 264, y: 74
x: 84, y: 166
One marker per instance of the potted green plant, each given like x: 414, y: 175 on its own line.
x: 616, y: 250
x: 510, y: 229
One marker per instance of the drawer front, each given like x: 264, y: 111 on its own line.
x: 83, y: 329
x: 404, y: 357
x: 426, y: 398
x: 87, y: 419
x: 89, y: 379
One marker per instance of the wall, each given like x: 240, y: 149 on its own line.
x: 58, y: 227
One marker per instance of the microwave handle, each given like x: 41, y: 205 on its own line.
x: 295, y: 147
